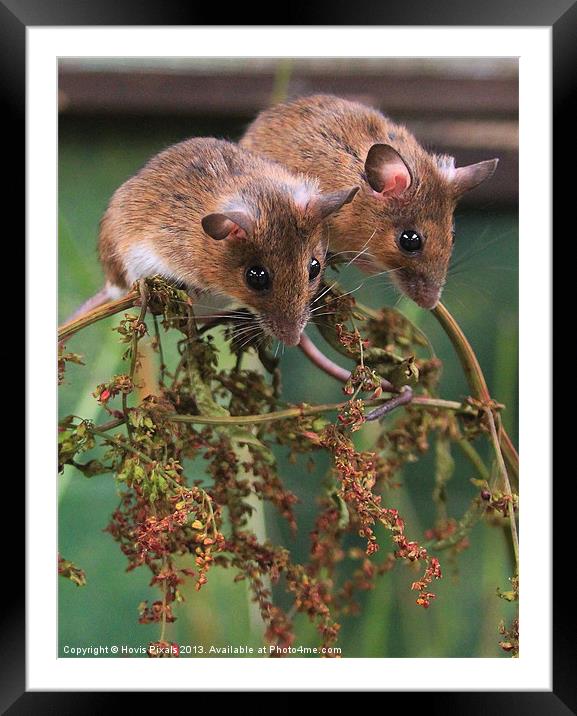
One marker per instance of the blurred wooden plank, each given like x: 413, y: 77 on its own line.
x: 470, y: 118
x: 491, y: 134
x: 245, y: 93
x: 401, y: 66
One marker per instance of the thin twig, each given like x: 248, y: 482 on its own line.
x: 475, y: 377
x: 160, y: 351
x: 474, y: 458
x: 134, y: 357
x: 505, y: 478
x: 295, y: 412
x: 303, y: 410
x: 104, y: 311
x: 403, y: 398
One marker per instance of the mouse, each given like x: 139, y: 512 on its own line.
x: 216, y: 218
x: 401, y: 222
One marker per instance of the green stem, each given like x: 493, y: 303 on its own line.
x: 134, y: 356
x: 281, y: 80
x: 466, y: 524
x: 466, y: 355
x: 474, y: 458
x: 301, y: 411
x: 506, y: 484
x: 160, y: 351
x: 475, y: 377
x: 295, y: 412
x: 108, y: 309
x: 118, y: 441
x: 135, y: 333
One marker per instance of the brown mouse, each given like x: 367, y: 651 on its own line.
x: 217, y: 218
x: 402, y: 219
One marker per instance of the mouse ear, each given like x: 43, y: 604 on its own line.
x: 324, y: 205
x: 386, y: 170
x: 465, y: 178
x: 237, y: 224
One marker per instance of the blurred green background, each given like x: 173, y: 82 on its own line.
x: 99, y: 149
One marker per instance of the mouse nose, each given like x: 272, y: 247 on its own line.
x: 424, y: 293
x: 429, y: 299
x: 287, y: 331
x: 289, y: 336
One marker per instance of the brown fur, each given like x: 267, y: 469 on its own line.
x: 329, y: 138
x: 162, y: 206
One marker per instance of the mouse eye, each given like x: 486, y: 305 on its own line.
x: 314, y: 269
x: 257, y: 278
x: 410, y: 241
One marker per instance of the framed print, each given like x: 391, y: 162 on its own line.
x: 295, y: 273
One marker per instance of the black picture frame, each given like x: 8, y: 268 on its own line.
x: 561, y: 15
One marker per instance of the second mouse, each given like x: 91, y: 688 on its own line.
x: 220, y: 219
x: 402, y: 221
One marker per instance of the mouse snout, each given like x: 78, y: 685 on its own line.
x: 289, y: 334
x: 429, y: 299
x: 287, y: 330
x: 422, y: 290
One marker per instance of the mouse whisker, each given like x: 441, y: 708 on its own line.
x: 381, y: 273
x: 347, y: 293
x: 479, y: 247
x: 364, y: 248
x: 223, y: 315
x: 241, y: 314
x: 246, y: 331
x: 324, y: 292
x: 248, y: 339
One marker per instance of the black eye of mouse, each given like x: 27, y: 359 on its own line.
x: 257, y: 278
x: 410, y: 241
x: 314, y: 269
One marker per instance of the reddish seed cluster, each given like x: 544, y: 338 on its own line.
x: 163, y: 513
x: 120, y: 384
x: 353, y: 416
x: 351, y: 340
x: 433, y: 571
x: 510, y: 640
x: 356, y: 471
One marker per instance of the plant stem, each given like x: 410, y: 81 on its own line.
x: 281, y: 80
x: 118, y: 441
x: 301, y: 411
x: 108, y: 309
x: 466, y: 524
x: 474, y: 458
x: 136, y: 334
x: 295, y: 412
x: 134, y: 355
x: 403, y: 398
x: 466, y: 355
x: 475, y: 376
x: 506, y: 483
x: 160, y: 351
